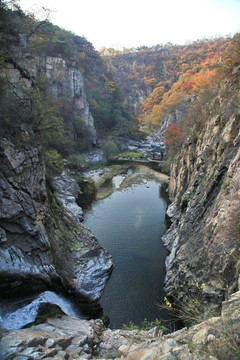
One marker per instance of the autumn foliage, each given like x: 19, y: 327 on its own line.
x: 167, y: 74
x: 173, y: 135
x: 162, y: 102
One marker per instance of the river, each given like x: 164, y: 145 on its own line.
x: 129, y: 224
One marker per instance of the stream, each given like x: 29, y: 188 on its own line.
x: 129, y: 224
x: 128, y: 221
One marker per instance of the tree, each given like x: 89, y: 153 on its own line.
x: 109, y: 148
x: 174, y: 137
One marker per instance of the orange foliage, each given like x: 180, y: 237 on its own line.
x: 155, y: 98
x: 174, y: 72
x: 187, y: 86
x: 211, y: 55
x: 150, y: 82
x: 162, y: 102
x: 173, y: 136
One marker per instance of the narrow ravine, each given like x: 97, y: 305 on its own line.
x: 129, y: 224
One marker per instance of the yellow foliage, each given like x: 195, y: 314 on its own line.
x: 167, y: 302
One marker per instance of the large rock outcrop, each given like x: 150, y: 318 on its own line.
x: 66, y: 80
x: 62, y: 78
x: 67, y: 191
x: 41, y: 245
x: 205, y: 189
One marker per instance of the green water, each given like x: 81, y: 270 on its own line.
x: 129, y: 224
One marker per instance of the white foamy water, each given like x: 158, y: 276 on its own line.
x: 19, y: 317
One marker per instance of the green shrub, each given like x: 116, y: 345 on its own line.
x: 145, y: 325
x: 131, y: 155
x: 109, y: 148
x: 54, y: 162
x: 166, y: 166
x: 76, y: 161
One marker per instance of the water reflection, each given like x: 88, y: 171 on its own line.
x: 129, y: 224
x: 138, y: 217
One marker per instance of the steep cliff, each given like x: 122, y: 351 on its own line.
x: 204, y: 238
x: 42, y: 246
x: 61, y: 78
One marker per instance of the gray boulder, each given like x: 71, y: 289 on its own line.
x: 68, y: 192
x: 42, y: 242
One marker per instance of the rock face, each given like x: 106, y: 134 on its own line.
x: 68, y: 192
x: 36, y: 234
x: 67, y: 337
x: 205, y: 188
x: 23, y: 201
x: 64, y: 80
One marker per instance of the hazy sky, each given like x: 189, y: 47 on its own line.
x: 132, y: 23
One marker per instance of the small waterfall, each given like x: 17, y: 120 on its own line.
x: 14, y: 317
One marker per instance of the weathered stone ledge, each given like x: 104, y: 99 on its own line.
x: 67, y: 337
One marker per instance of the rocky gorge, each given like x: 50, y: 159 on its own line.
x: 36, y: 227
x: 45, y: 247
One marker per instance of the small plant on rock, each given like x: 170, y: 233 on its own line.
x: 192, y: 309
x: 145, y: 325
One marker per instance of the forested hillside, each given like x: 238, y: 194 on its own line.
x: 124, y: 89
x: 55, y: 86
x: 154, y: 70
x: 168, y: 86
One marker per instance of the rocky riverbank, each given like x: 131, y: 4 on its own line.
x: 115, y: 177
x: 39, y: 229
x: 67, y: 337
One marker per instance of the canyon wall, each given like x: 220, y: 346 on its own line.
x: 204, y: 237
x: 42, y: 245
x: 55, y: 75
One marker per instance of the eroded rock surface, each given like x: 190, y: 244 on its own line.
x: 205, y: 188
x: 41, y: 245
x: 67, y: 337
x: 64, y: 78
x: 68, y: 191
x: 22, y: 213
